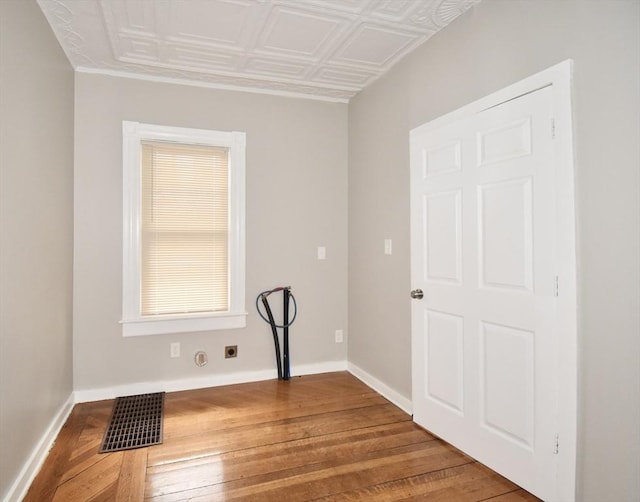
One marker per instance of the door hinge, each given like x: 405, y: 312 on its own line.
x: 556, y: 286
x: 556, y: 444
x: 553, y: 128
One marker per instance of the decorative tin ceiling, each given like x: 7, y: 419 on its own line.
x: 322, y: 49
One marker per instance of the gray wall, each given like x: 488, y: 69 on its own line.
x: 36, y: 243
x: 296, y: 200
x: 493, y: 45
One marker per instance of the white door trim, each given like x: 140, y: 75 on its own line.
x: 559, y: 77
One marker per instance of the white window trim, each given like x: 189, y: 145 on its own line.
x: 133, y: 323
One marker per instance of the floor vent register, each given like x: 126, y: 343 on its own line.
x: 136, y: 422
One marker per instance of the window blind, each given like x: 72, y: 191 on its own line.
x: 184, y: 229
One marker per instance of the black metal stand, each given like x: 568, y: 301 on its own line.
x: 283, y: 364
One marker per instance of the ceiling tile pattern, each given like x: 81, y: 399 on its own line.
x: 323, y: 49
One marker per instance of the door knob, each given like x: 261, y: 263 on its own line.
x: 417, y: 294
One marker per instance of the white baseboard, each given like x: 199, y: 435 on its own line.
x: 395, y: 397
x: 101, y: 393
x: 31, y: 467
x: 87, y: 395
x: 317, y: 368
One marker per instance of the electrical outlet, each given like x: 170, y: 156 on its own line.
x: 339, y: 336
x: 175, y: 349
x: 230, y: 351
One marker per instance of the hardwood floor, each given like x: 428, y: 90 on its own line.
x: 323, y: 437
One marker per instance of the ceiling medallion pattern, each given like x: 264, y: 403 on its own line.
x: 322, y: 49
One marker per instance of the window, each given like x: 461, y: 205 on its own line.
x: 183, y: 237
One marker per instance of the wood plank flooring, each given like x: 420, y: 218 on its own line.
x: 324, y: 437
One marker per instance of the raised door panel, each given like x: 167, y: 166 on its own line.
x: 443, y: 237
x: 507, y: 382
x: 444, y: 356
x: 505, y: 228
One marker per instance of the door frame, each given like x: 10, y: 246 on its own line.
x: 559, y: 77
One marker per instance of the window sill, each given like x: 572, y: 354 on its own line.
x: 165, y: 325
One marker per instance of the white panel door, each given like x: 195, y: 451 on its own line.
x: 485, y: 366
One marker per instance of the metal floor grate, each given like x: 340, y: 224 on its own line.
x: 136, y: 421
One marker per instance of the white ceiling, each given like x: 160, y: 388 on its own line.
x: 322, y: 49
